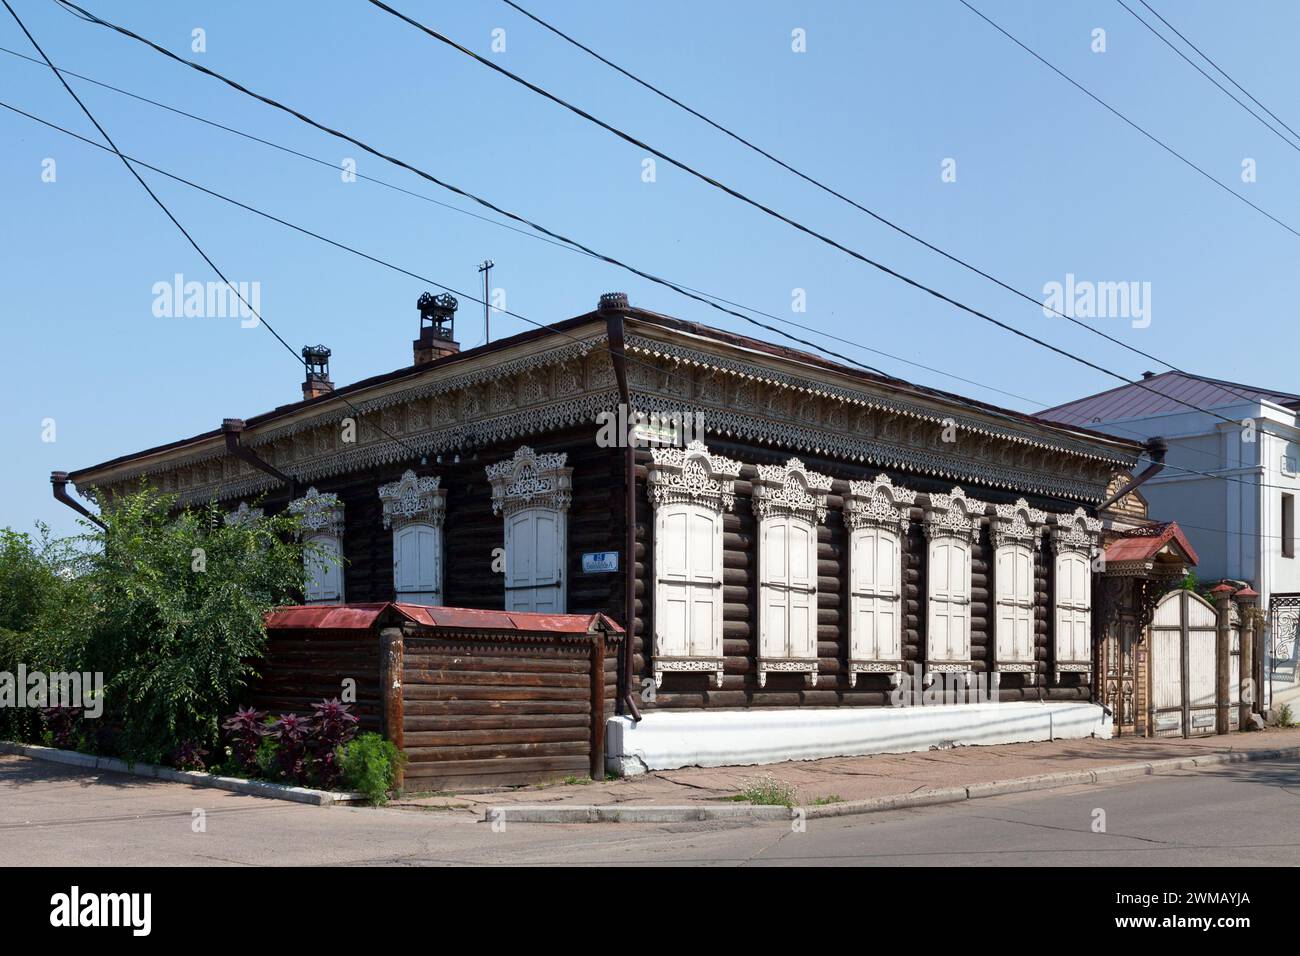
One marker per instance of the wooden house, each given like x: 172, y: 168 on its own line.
x: 801, y: 551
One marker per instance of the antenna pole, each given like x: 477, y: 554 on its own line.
x: 485, y: 267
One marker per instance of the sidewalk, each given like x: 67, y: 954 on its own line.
x: 850, y: 779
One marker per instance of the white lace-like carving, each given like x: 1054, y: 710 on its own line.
x: 954, y: 515
x: 243, y: 515
x: 878, y: 504
x: 319, y: 512
x: 1016, y: 524
x: 791, y: 489
x: 412, y: 500
x: 1076, y: 532
x: 530, y: 480
x: 692, y: 474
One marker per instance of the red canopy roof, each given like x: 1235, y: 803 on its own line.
x: 1142, y: 544
x: 362, y: 617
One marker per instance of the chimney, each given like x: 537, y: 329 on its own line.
x: 613, y: 302
x: 1147, y: 375
x: 316, y: 359
x: 437, y: 328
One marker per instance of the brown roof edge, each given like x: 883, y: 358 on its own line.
x: 639, y: 316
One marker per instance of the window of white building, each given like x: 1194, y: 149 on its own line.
x: 532, y: 492
x: 414, y: 508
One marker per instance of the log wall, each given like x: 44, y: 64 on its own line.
x: 303, y: 667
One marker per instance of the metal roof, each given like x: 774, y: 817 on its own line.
x: 362, y: 617
x: 1142, y: 544
x: 1174, y: 388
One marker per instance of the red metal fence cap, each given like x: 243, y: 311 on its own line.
x: 363, y: 617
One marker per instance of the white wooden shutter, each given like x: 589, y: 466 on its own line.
x: 788, y: 585
x: 1014, y: 578
x: 417, y: 560
x: 535, y: 554
x: 324, y: 570
x: 875, y: 595
x: 948, y: 631
x: 688, y: 608
x: 1073, y: 607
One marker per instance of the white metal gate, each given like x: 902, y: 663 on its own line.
x: 1183, y: 637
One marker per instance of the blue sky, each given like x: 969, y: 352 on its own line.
x: 1048, y: 183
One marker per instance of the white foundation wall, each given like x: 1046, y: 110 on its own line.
x: 665, y: 740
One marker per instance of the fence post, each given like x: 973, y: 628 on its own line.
x: 1222, y: 650
x: 598, y: 705
x: 391, y: 658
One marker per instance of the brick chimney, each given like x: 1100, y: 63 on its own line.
x: 316, y: 360
x: 437, y: 328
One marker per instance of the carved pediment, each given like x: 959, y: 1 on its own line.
x: 1016, y: 523
x: 878, y: 503
x: 413, y: 500
x: 692, y: 474
x: 1076, y: 532
x: 320, y: 513
x: 954, y: 515
x: 791, y: 489
x: 530, y: 480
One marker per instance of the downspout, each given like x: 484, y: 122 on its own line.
x: 59, y: 479
x: 617, y: 352
x: 232, y: 428
x: 1155, y: 449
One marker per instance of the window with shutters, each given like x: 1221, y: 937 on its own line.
x: 1074, y: 540
x: 1015, y: 530
x: 532, y: 492
x: 322, y: 530
x: 876, y: 515
x: 790, y: 503
x: 952, y: 525
x: 690, y: 490
x: 414, y: 508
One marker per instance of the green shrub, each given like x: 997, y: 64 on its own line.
x: 369, y: 765
x: 1285, y: 717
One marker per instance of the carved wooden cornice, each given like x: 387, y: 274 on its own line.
x: 530, y: 480
x: 320, y: 513
x: 413, y: 500
x: 954, y: 516
x: 790, y: 490
x: 878, y: 503
x: 692, y: 474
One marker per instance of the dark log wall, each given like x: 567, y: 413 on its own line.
x: 489, y: 713
x: 302, y: 667
x: 472, y: 531
x: 740, y: 636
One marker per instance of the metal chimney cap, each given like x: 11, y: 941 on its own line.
x: 613, y: 302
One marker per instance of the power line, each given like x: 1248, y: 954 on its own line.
x: 1226, y: 92
x: 1229, y: 78
x: 1163, y: 145
x: 163, y: 206
x: 793, y: 223
x: 505, y: 225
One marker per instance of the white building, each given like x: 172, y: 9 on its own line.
x: 1231, y: 485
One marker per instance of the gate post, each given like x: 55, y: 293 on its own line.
x: 1251, y: 618
x: 1222, y: 649
x: 391, y: 661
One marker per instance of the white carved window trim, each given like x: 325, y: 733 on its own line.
x: 792, y: 495
x: 686, y: 480
x: 414, y: 501
x: 1015, y: 530
x: 874, y: 509
x: 322, y: 526
x: 1074, y: 541
x: 953, y: 519
x: 243, y: 515
x: 529, y: 481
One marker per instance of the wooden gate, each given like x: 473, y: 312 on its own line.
x: 1183, y: 636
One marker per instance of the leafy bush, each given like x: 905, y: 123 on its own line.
x: 291, y: 733
x: 189, y: 756
x: 334, y: 726
x: 369, y: 765
x: 1284, y: 716
x: 245, y: 731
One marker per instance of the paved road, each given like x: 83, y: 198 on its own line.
x: 1237, y: 814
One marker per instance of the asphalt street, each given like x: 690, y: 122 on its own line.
x: 1237, y: 814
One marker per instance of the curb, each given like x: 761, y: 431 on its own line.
x: 744, y: 812
x: 195, y: 778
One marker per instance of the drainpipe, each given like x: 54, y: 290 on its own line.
x: 1155, y: 448
x: 232, y: 428
x: 614, y: 328
x: 59, y: 479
